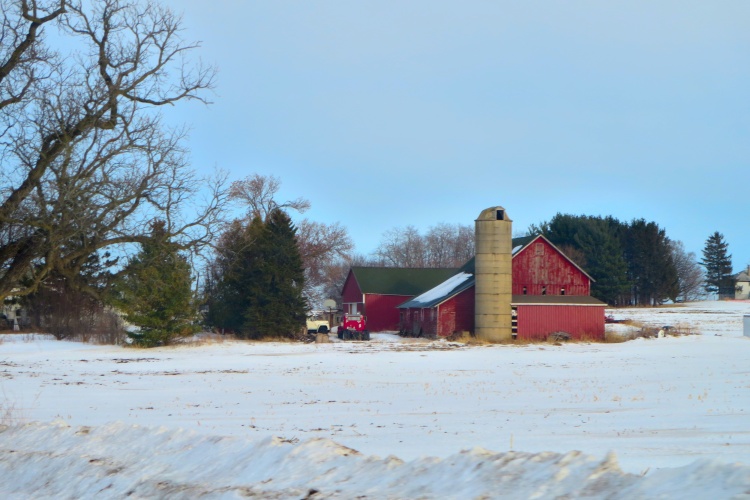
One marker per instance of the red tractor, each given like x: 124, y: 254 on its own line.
x: 353, y: 327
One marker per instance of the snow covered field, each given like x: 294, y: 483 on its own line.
x: 393, y: 418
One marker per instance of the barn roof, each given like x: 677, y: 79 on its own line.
x: 556, y: 300
x: 439, y: 294
x: 399, y: 281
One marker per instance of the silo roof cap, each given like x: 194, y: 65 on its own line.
x: 494, y: 213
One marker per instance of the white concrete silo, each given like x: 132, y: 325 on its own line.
x: 494, y: 275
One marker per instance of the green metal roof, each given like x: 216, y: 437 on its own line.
x: 399, y: 281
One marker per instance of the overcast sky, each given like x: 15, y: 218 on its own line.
x: 393, y: 113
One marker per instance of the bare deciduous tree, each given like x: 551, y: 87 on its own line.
x: 444, y: 245
x: 335, y: 273
x: 321, y: 245
x: 402, y: 247
x: 689, y: 273
x: 86, y: 161
x: 258, y: 193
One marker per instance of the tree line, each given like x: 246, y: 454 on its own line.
x: 99, y: 208
x: 636, y: 263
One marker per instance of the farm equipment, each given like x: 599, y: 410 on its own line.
x: 353, y: 327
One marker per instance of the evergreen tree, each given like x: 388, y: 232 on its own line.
x: 718, y: 265
x: 155, y: 291
x: 276, y: 305
x: 259, y: 280
x: 630, y: 263
x: 596, y: 240
x: 651, y: 268
x: 226, y: 294
x: 604, y: 260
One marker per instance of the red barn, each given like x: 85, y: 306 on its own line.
x: 377, y: 291
x: 447, y: 308
x: 550, y: 294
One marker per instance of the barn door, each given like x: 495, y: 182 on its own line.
x: 447, y: 324
x: 416, y: 322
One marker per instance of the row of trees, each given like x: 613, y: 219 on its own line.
x: 635, y: 262
x: 442, y: 246
x: 90, y: 175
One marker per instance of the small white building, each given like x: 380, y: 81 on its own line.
x: 742, y: 284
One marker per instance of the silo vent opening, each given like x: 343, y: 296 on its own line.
x: 501, y: 215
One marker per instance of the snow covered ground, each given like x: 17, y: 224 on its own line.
x: 392, y: 418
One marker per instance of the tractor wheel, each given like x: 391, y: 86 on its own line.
x: 340, y: 334
x: 365, y: 335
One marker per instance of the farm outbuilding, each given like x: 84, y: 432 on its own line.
x: 550, y: 294
x: 523, y: 288
x: 742, y: 285
x: 376, y: 292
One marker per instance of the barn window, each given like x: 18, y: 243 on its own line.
x: 562, y: 291
x: 544, y: 290
x: 539, y: 249
x: 524, y: 290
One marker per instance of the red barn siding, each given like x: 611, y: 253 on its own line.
x: 351, y: 294
x: 418, y: 321
x: 541, y: 268
x: 457, y: 314
x: 536, y: 322
x: 381, y: 311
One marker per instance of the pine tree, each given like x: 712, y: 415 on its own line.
x: 604, y: 260
x: 259, y: 280
x: 650, y: 265
x: 155, y: 292
x: 276, y: 306
x: 718, y: 265
x: 228, y: 297
x: 600, y: 250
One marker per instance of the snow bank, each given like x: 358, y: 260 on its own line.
x: 119, y: 460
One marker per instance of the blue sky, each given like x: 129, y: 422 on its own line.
x: 392, y: 113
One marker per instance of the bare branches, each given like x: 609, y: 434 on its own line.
x: 444, y: 245
x: 19, y: 35
x: 258, y: 191
x: 83, y: 167
x: 321, y: 245
x: 689, y: 273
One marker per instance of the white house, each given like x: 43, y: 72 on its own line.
x: 742, y: 284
